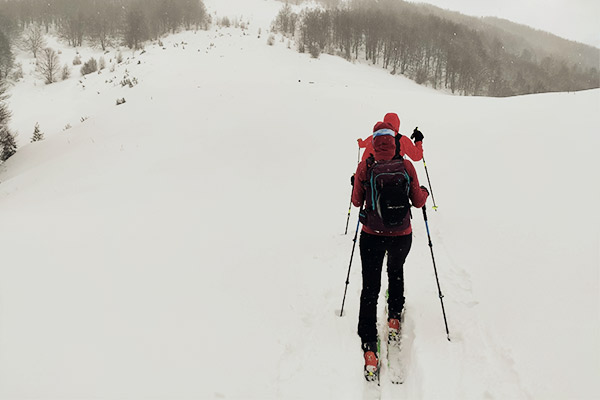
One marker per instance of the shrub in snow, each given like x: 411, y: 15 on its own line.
x: 271, y: 40
x: 120, y: 101
x: 101, y: 63
x: 90, y: 66
x: 131, y: 82
x: 127, y: 81
x: 17, y: 73
x: 119, y: 57
x: 66, y: 72
x: 422, y: 76
x: 77, y: 60
x: 37, y: 134
x: 67, y: 127
x: 225, y: 22
x: 314, y: 49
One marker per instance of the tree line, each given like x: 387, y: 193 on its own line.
x: 103, y: 23
x: 428, y: 49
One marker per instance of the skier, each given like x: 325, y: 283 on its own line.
x: 375, y: 242
x: 414, y: 151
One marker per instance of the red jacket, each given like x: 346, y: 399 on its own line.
x: 385, y: 149
x: 407, y: 148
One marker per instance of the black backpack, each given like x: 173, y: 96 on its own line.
x: 387, y: 189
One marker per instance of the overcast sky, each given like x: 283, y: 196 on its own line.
x: 577, y: 20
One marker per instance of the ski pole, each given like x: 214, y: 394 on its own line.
x: 349, y: 267
x: 349, y: 209
x: 436, y: 274
x: 350, y: 206
x: 430, y: 188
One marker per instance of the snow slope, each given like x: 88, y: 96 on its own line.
x: 189, y: 244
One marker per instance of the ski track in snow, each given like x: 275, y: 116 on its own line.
x: 494, y: 371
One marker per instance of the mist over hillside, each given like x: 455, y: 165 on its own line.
x: 519, y: 38
x: 444, y: 49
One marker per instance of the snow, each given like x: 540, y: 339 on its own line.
x: 189, y: 243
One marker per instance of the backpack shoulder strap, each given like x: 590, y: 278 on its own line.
x: 370, y: 161
x: 397, y: 156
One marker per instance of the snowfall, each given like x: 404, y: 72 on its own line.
x: 189, y: 243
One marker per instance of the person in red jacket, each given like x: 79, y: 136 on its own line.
x: 374, y: 245
x: 414, y: 151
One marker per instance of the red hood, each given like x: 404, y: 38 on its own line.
x: 384, y: 145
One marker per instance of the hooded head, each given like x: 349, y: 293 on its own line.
x: 384, y: 143
x: 393, y: 120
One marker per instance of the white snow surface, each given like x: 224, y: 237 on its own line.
x: 189, y: 243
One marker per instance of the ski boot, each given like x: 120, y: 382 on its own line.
x: 393, y: 330
x: 371, y: 361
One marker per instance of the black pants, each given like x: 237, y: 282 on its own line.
x: 372, y: 251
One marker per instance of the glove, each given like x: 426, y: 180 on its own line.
x: 417, y: 136
x: 425, y: 189
x: 352, y: 180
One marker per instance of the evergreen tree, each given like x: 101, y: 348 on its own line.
x: 37, y: 134
x: 8, y: 145
x: 4, y: 113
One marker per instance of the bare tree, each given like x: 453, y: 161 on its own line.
x: 33, y: 40
x: 136, y: 28
x: 73, y: 27
x: 49, y: 65
x: 103, y: 23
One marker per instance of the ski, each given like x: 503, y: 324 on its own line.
x: 372, y: 390
x: 395, y: 366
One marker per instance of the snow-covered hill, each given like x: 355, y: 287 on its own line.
x: 189, y: 244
